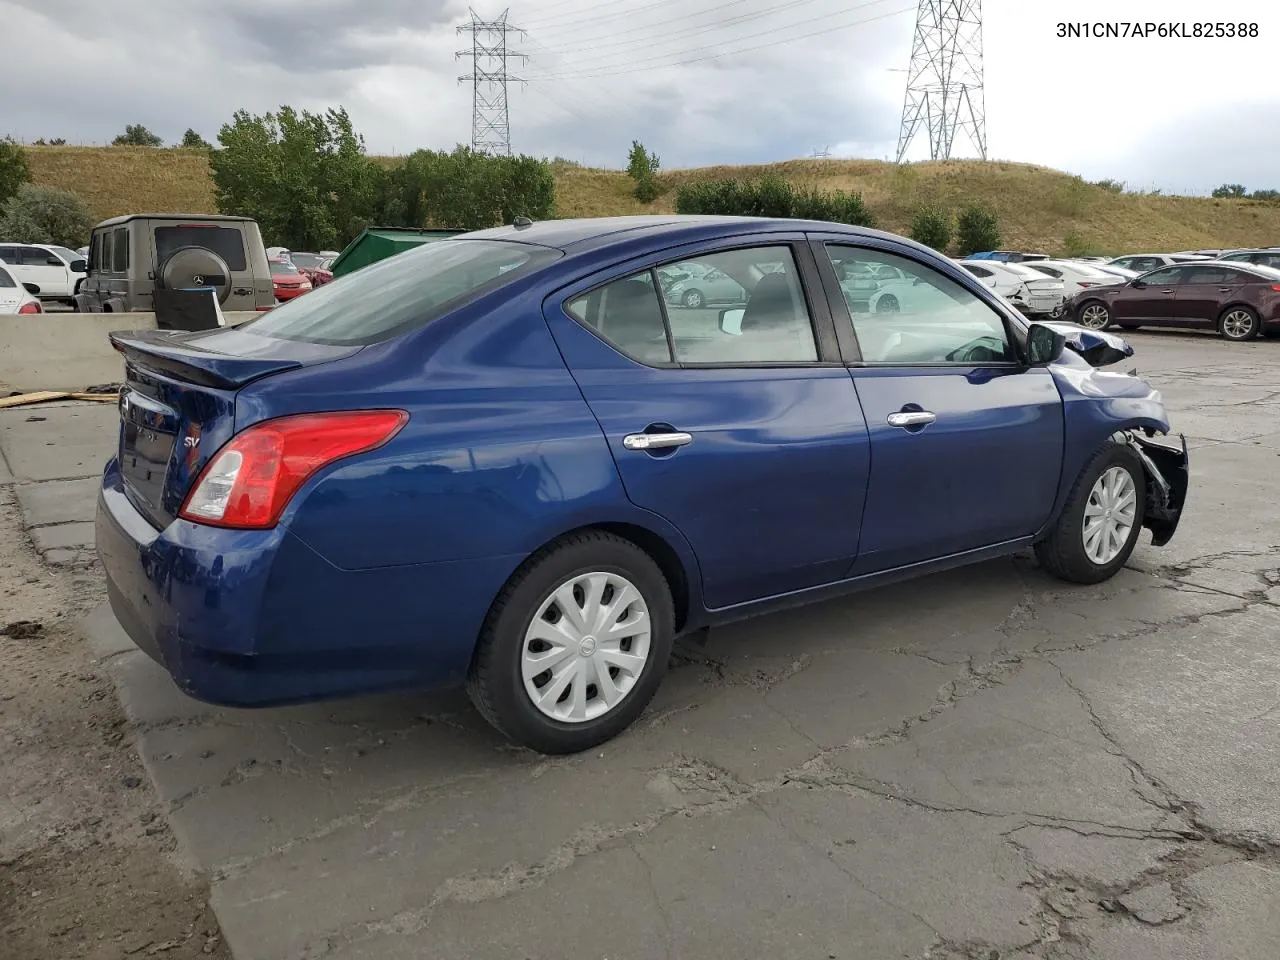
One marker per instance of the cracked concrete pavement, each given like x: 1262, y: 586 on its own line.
x: 985, y: 763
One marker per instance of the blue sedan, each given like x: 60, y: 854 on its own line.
x: 504, y: 460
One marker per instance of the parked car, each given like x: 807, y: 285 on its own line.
x: 55, y: 272
x: 287, y: 280
x: 1268, y: 258
x: 491, y: 459
x: 697, y: 285
x: 1115, y: 271
x: 1142, y: 262
x: 1007, y: 256
x: 313, y: 267
x: 1074, y: 276
x: 1029, y: 290
x: 1239, y: 300
x: 15, y: 297
x: 132, y: 256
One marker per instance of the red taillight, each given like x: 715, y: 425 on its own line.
x: 250, y: 481
x: 1276, y: 287
x: 29, y: 308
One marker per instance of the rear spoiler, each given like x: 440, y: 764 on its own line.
x: 163, y: 352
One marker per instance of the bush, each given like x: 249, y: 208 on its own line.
x: 1075, y: 245
x: 14, y: 169
x: 468, y: 190
x: 193, y: 141
x: 1270, y: 196
x: 1111, y: 186
x: 642, y: 167
x: 46, y: 215
x: 770, y: 196
x: 977, y: 229
x: 136, y: 135
x: 933, y: 226
x: 1229, y: 191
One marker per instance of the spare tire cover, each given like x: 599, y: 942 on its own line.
x: 195, y: 267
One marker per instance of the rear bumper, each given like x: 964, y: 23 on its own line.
x: 257, y: 618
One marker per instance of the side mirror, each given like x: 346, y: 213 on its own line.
x: 731, y: 321
x: 54, y: 262
x: 1137, y: 284
x: 32, y: 289
x: 1044, y: 345
x: 79, y: 266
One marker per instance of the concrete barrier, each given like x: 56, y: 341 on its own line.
x: 69, y: 351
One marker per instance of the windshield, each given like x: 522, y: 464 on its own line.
x: 402, y: 292
x: 308, y: 260
x: 281, y: 269
x: 65, y: 254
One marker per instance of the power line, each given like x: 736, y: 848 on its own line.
x: 490, y: 117
x: 543, y: 21
x: 716, y: 56
x: 944, y: 81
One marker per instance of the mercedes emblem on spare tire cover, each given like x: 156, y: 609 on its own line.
x: 195, y: 267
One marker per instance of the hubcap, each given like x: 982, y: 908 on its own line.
x: 1094, y: 317
x: 586, y: 647
x: 1109, y: 515
x: 694, y: 299
x: 1237, y: 324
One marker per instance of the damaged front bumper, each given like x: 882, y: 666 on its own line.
x: 1167, y: 481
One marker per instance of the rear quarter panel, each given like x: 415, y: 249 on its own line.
x: 500, y: 456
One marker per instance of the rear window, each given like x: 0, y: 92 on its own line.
x: 5, y: 279
x: 279, y: 269
x: 226, y: 242
x: 402, y: 292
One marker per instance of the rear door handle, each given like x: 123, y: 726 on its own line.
x: 911, y: 418
x: 655, y: 441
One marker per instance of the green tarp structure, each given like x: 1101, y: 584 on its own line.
x: 378, y: 243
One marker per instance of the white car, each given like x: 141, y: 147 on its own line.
x: 1142, y: 262
x: 14, y: 298
x: 56, y: 272
x: 1028, y: 290
x: 1122, y: 272
x: 1075, y: 276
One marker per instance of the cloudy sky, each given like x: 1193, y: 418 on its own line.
x: 698, y: 81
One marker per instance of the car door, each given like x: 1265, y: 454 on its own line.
x: 1149, y: 298
x: 46, y: 270
x: 752, y: 444
x: 966, y: 441
x: 1199, y: 299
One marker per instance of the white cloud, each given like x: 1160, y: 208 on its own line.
x: 699, y: 81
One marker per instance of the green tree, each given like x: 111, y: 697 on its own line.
x: 1230, y: 191
x: 1269, y: 195
x: 642, y: 167
x: 304, y: 177
x: 136, y: 135
x: 193, y: 141
x: 932, y: 226
x: 14, y: 169
x: 977, y: 229
x: 466, y: 190
x: 46, y: 215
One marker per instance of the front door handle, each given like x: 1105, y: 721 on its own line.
x: 655, y: 441
x: 911, y: 418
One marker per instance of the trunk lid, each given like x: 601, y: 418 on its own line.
x: 178, y: 403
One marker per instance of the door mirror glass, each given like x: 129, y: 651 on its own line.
x: 1044, y: 345
x: 79, y: 266
x: 731, y: 321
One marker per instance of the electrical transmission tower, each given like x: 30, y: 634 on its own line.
x: 944, y: 81
x: 489, y: 53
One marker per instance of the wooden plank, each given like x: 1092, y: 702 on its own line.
x: 40, y: 396
x: 99, y: 397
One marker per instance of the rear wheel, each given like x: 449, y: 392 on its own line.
x: 575, y: 645
x: 888, y: 304
x: 692, y: 299
x: 1095, y: 315
x: 1238, y: 323
x: 1100, y: 524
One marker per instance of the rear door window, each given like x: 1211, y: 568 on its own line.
x: 120, y: 252
x: 402, y: 292
x: 226, y: 242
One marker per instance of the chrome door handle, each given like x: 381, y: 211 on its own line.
x: 655, y: 441
x: 911, y: 418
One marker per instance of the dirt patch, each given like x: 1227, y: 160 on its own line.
x: 87, y: 866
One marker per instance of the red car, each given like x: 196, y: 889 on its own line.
x: 288, y: 280
x: 313, y: 267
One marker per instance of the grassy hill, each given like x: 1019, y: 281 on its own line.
x: 1038, y: 208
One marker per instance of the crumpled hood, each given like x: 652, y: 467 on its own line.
x: 1097, y: 347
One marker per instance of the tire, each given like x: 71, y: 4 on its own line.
x: 1238, y: 324
x: 693, y: 299
x: 1063, y: 552
x: 888, y: 304
x: 497, y: 681
x: 1094, y: 314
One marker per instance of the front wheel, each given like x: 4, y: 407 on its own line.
x: 1101, y: 521
x: 1095, y: 315
x: 575, y: 645
x: 692, y: 299
x: 1239, y: 323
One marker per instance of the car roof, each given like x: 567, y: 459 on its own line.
x: 1261, y: 270
x: 184, y: 217
x: 572, y: 236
